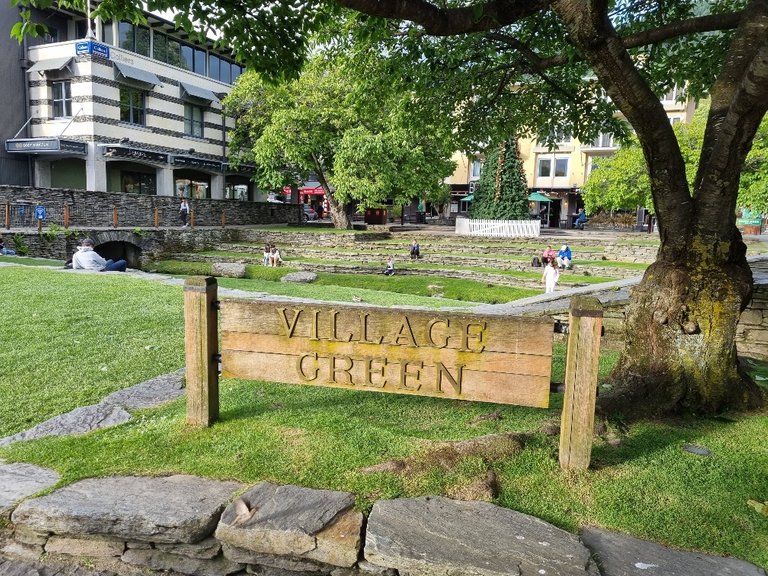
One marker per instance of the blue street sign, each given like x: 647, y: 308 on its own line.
x: 91, y: 47
x: 21, y: 210
x: 40, y: 212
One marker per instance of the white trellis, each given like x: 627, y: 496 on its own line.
x: 501, y: 228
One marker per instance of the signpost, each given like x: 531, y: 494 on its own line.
x: 452, y: 355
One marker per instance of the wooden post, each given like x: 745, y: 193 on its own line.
x: 191, y: 218
x: 201, y: 341
x: 223, y: 218
x: 8, y: 215
x: 157, y: 217
x: 114, y: 216
x: 39, y: 225
x: 66, y: 215
x: 581, y: 364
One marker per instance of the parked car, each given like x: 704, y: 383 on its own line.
x: 309, y: 213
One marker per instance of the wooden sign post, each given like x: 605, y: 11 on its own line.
x: 581, y: 365
x: 200, y: 346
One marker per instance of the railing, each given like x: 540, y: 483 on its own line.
x: 499, y: 228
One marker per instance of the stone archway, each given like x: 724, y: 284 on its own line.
x: 119, y: 244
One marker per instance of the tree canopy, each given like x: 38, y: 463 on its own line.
x: 321, y: 123
x: 621, y: 181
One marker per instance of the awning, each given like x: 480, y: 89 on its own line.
x: 124, y: 73
x: 52, y: 64
x: 468, y: 198
x: 195, y: 93
x: 536, y: 197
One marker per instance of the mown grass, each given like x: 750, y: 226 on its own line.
x: 428, y: 291
x: 27, y: 261
x: 641, y: 482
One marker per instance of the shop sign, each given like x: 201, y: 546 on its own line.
x: 196, y: 163
x: 134, y: 154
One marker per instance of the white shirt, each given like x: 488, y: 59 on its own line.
x: 86, y: 258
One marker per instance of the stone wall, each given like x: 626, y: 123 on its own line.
x: 752, y: 332
x: 99, y: 209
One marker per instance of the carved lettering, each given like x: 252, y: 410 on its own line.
x: 405, y: 333
x: 315, y: 370
x: 334, y: 369
x: 405, y: 373
x: 290, y: 327
x: 370, y: 372
x: 455, y: 382
x: 430, y: 336
x: 364, y: 331
x: 474, y: 332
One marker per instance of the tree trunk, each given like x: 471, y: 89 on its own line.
x: 339, y: 213
x: 680, y: 352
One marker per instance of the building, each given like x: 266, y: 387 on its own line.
x: 118, y: 108
x: 557, y: 173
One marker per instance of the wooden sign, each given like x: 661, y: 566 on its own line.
x: 448, y: 355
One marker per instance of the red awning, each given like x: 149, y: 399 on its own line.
x: 318, y: 191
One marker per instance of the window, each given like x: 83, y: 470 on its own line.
x: 561, y: 167
x: 62, y: 99
x: 214, y: 66
x: 671, y: 96
x: 545, y: 168
x: 138, y: 183
x: 193, y: 59
x: 133, y: 38
x: 605, y: 140
x: 675, y: 120
x: 193, y: 120
x: 132, y: 106
x: 107, y: 34
x: 476, y: 168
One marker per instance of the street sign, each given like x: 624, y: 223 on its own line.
x: 40, y: 212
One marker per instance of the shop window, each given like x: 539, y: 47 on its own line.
x: 62, y: 99
x: 236, y: 192
x: 132, y: 105
x: 193, y: 120
x: 189, y: 188
x: 138, y: 183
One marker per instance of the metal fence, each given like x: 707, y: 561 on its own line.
x: 498, y: 228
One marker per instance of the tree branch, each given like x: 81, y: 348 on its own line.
x: 450, y: 21
x: 698, y: 25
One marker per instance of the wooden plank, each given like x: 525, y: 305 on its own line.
x: 386, y: 326
x: 451, y: 355
x: 382, y: 375
x: 581, y: 367
x: 200, y: 345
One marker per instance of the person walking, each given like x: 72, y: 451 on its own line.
x: 550, y: 277
x: 184, y: 212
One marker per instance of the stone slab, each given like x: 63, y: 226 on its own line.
x: 91, y: 547
x: 622, y: 555
x: 78, y: 421
x: 436, y: 536
x: 150, y: 393
x: 289, y: 520
x: 228, y: 269
x: 159, y: 560
x: 173, y: 509
x: 19, y: 481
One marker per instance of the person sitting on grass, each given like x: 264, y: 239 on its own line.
x: 6, y: 251
x: 564, y: 257
x: 548, y: 255
x: 274, y: 257
x: 86, y: 258
x: 390, y: 269
x: 415, y: 250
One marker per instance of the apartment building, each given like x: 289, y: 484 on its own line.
x: 557, y: 173
x: 117, y: 107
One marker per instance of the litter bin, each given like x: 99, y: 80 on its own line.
x: 375, y: 215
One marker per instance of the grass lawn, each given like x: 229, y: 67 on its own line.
x: 72, y: 338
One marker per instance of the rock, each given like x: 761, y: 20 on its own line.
x: 91, y: 547
x: 436, y: 536
x: 19, y: 481
x: 622, y: 555
x: 174, y: 509
x: 228, y: 269
x: 301, y: 522
x: 159, y: 560
x: 254, y: 559
x: 78, y: 421
x: 299, y: 277
x: 150, y: 393
x: 203, y: 550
